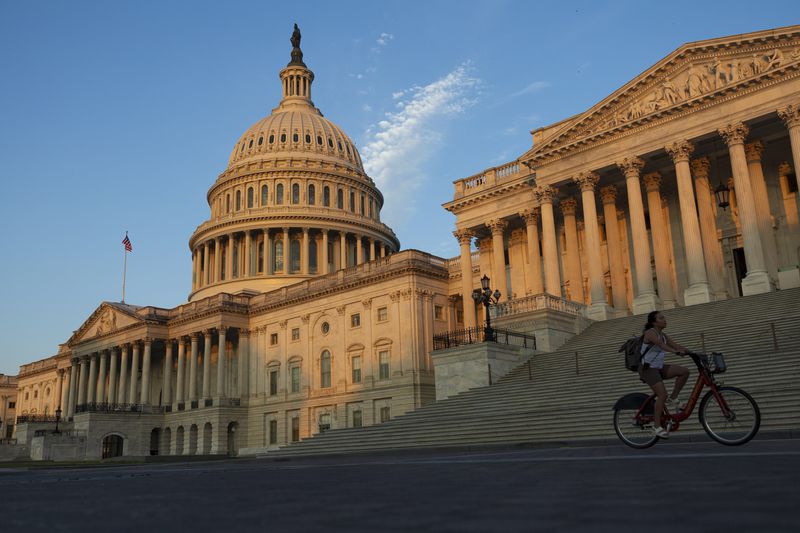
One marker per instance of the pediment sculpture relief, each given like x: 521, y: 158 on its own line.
x: 107, y: 323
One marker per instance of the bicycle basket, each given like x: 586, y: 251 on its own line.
x: 716, y: 363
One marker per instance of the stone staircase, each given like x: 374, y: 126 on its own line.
x: 569, y: 394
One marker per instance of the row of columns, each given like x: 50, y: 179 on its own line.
x: 702, y: 250
x: 204, y: 273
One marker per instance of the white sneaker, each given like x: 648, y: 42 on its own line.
x: 674, y: 404
x: 661, y: 433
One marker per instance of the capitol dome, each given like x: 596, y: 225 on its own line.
x: 293, y: 203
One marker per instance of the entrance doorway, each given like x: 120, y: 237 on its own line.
x: 232, y: 429
x: 112, y: 446
x: 740, y: 265
x: 155, y: 437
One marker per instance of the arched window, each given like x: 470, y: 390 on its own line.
x: 352, y: 201
x: 330, y: 143
x: 261, y: 140
x: 295, y: 138
x: 271, y: 139
x: 264, y: 194
x: 295, y: 193
x: 294, y: 265
x: 279, y: 194
x: 251, y: 144
x: 249, y: 198
x: 319, y: 140
x: 339, y: 143
x: 238, y: 200
x: 227, y: 203
x: 370, y: 207
x: 283, y: 137
x: 363, y: 211
x: 312, y: 195
x: 326, y: 196
x: 340, y: 199
x: 312, y: 256
x: 278, y: 255
x: 308, y: 138
x: 112, y: 446
x: 325, y: 369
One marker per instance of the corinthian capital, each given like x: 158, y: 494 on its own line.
x: 587, y: 181
x: 530, y: 216
x: 545, y: 194
x: 631, y: 166
x: 753, y: 151
x: 652, y: 181
x: 497, y: 225
x: 608, y: 194
x: 700, y: 167
x: 463, y: 236
x: 568, y: 206
x: 680, y: 150
x: 734, y: 133
x: 784, y: 169
x: 790, y: 115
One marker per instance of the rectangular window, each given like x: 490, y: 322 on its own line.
x: 438, y: 312
x: 356, y: 369
x: 460, y: 316
x: 273, y: 432
x: 295, y: 334
x: 325, y: 372
x: 295, y: 371
x: 383, y: 362
x: 273, y: 339
x: 357, y: 419
x: 355, y: 320
x: 385, y: 414
x: 12, y: 405
x: 383, y: 314
x: 295, y: 428
x: 273, y: 382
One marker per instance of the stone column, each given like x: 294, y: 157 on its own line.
x: 359, y: 250
x: 791, y: 117
x: 181, y: 378
x: 59, y: 388
x: 373, y: 250
x: 753, y: 153
x: 304, y: 254
x: 101, y: 379
x: 206, y: 264
x: 221, y: 364
x: 324, y: 267
x: 757, y: 280
x: 498, y: 226
x: 83, y: 380
x: 229, y: 257
x: 342, y: 250
x: 645, y: 299
x: 193, y: 368
x: 134, y: 382
x: 195, y: 270
x: 569, y: 207
x: 267, y: 254
x: 599, y: 308
x: 167, y: 399
x: 535, y: 282
x: 92, y: 389
x: 243, y: 353
x: 113, y: 376
x: 464, y: 238
x: 207, y: 364
x: 792, y: 232
x: 146, y: 359
x: 248, y: 255
x: 552, y: 277
x: 123, y: 376
x: 73, y: 386
x: 699, y: 290
x: 608, y: 195
x: 287, y: 252
x: 658, y: 232
x: 715, y: 266
x: 383, y: 249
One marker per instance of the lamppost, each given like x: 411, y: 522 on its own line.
x: 58, y: 417
x: 485, y: 296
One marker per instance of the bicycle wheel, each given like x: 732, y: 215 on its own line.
x: 631, y: 430
x: 739, y: 426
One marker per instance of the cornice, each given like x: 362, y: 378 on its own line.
x: 507, y: 189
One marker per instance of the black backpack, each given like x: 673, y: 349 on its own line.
x: 633, y: 352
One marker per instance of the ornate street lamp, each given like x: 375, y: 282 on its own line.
x: 485, y: 296
x: 723, y: 195
x: 58, y: 417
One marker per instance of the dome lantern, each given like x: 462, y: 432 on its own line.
x: 296, y: 78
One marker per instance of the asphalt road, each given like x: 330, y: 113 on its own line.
x: 671, y: 487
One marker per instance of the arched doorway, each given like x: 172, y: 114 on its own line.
x: 179, y: 441
x: 112, y: 446
x: 167, y: 441
x: 233, y: 428
x: 207, y: 439
x: 155, y: 437
x: 193, y: 439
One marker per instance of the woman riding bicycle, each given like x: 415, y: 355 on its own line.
x: 653, y: 370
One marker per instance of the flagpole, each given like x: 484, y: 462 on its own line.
x: 124, y: 268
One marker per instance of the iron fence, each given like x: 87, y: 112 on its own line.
x: 118, y: 408
x: 37, y: 419
x: 477, y: 335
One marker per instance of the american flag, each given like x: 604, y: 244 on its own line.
x: 127, y: 243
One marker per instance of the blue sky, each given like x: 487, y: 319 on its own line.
x: 119, y: 116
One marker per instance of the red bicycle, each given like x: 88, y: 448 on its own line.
x: 728, y: 415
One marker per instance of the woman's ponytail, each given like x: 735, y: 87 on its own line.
x: 651, y: 317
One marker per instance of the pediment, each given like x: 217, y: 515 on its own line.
x: 107, y: 318
x: 694, y: 74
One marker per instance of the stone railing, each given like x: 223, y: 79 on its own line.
x: 487, y: 178
x: 37, y: 366
x: 454, y: 263
x: 118, y: 408
x: 222, y: 301
x: 534, y: 303
x: 8, y: 380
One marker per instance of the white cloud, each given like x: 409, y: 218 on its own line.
x: 531, y: 88
x: 398, y: 145
x: 366, y: 108
x: 384, y: 39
